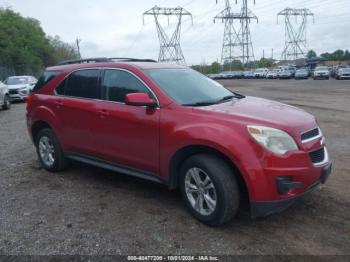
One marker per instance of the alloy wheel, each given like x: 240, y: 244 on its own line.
x: 46, y: 151
x: 200, y: 191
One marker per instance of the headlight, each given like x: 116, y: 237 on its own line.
x: 275, y: 140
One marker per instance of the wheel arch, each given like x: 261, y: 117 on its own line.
x: 37, y: 127
x: 184, y: 153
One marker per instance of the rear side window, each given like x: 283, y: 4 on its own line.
x: 83, y: 84
x: 45, y: 78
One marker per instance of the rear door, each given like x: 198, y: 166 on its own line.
x: 75, y: 104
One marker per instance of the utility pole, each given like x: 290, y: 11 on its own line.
x: 272, y: 53
x: 237, y: 44
x: 295, y: 32
x: 170, y: 49
x: 78, y: 41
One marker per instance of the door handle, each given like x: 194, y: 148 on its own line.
x: 103, y: 113
x: 58, y: 103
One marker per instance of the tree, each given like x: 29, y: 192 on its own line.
x: 24, y: 46
x: 215, y: 68
x: 234, y: 65
x: 326, y: 56
x: 338, y: 55
x: 311, y: 54
x: 347, y: 55
x: 265, y: 62
x: 61, y: 50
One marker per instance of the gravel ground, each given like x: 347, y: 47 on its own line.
x: 90, y: 211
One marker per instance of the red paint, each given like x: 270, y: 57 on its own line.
x: 147, y: 138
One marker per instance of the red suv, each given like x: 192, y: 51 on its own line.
x: 172, y: 125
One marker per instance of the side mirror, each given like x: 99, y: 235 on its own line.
x: 140, y: 99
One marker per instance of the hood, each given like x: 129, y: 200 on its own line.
x: 344, y: 71
x: 12, y: 87
x: 322, y: 71
x: 285, y: 72
x: 301, y: 73
x: 258, y: 111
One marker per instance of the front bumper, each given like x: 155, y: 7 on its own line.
x: 321, y: 76
x: 265, y: 208
x: 301, y: 77
x: 18, y: 96
x: 285, y: 76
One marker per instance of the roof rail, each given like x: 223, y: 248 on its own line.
x: 104, y: 59
x: 128, y: 59
x: 81, y: 61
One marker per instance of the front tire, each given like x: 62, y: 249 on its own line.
x: 49, y: 151
x: 209, y: 189
x: 7, y: 103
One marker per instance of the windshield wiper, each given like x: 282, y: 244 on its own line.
x: 225, y: 98
x: 204, y: 103
x: 221, y: 100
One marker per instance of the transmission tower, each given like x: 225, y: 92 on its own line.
x: 237, y: 43
x: 170, y: 49
x: 295, y: 35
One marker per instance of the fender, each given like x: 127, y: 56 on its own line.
x: 224, y: 139
x: 45, y: 114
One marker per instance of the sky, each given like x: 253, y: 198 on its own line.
x: 114, y: 28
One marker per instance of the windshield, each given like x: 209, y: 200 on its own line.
x: 16, y: 81
x: 188, y: 87
x: 322, y: 68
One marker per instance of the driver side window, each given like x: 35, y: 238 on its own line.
x: 117, y: 84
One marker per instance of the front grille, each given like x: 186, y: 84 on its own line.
x: 13, y: 92
x: 309, y: 135
x: 317, y: 156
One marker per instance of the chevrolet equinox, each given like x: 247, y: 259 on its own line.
x: 172, y: 125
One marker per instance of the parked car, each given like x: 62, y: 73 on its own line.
x: 290, y: 68
x: 302, y: 73
x: 5, y: 102
x: 321, y: 72
x: 214, y: 76
x: 285, y: 74
x: 260, y: 72
x: 272, y: 74
x: 343, y: 73
x: 20, y: 86
x: 336, y: 69
x: 248, y: 74
x: 170, y: 124
x: 236, y: 74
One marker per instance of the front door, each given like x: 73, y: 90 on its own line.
x: 123, y: 134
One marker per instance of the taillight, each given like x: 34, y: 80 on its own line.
x: 29, y: 101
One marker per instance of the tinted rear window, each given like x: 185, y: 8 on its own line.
x: 81, y: 84
x: 45, y: 78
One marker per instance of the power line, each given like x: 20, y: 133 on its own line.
x: 170, y: 49
x: 295, y: 32
x: 237, y: 44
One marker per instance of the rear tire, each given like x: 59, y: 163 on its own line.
x: 215, y: 199
x: 7, y: 103
x: 50, y: 151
